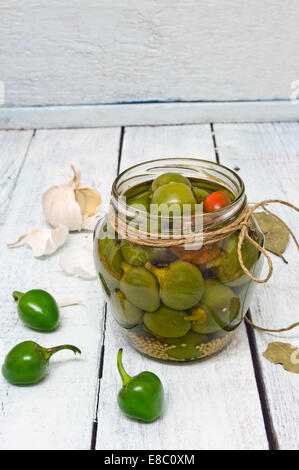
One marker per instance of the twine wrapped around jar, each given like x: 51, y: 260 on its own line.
x: 241, y: 223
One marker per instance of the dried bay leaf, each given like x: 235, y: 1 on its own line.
x: 276, y: 234
x: 285, y: 354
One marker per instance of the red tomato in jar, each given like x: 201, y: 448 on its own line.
x: 215, y: 201
x: 203, y: 255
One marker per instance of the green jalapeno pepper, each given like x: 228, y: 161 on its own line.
x: 181, y: 284
x: 200, y: 194
x: 174, y: 193
x: 111, y: 257
x: 126, y: 313
x: 140, y: 204
x: 138, y: 255
x: 167, y: 178
x: 104, y: 284
x: 167, y: 322
x: 37, y: 309
x: 217, y: 309
x: 228, y: 268
x: 140, y: 287
x: 142, y: 396
x: 27, y: 363
x: 185, y: 347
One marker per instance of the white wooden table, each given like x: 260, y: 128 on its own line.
x: 236, y: 400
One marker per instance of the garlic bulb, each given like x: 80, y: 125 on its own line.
x: 44, y: 242
x: 78, y: 262
x: 71, y: 204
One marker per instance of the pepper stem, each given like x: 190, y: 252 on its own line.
x: 215, y: 263
x: 124, y: 376
x: 48, y: 352
x: 160, y: 273
x: 126, y: 266
x: 17, y: 295
x: 198, y: 314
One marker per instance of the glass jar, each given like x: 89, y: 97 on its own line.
x: 175, y: 301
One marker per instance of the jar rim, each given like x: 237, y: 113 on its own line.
x: 229, y: 211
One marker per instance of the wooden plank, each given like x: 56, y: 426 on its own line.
x: 57, y: 413
x: 141, y: 144
x: 90, y: 52
x: 267, y: 155
x: 140, y: 114
x: 14, y: 145
x: 213, y: 404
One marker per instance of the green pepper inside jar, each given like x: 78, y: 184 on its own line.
x: 175, y: 301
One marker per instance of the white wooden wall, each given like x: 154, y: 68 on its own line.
x: 108, y: 51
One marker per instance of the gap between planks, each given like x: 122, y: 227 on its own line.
x: 94, y: 431
x: 272, y: 441
x: 256, y: 149
x: 271, y: 436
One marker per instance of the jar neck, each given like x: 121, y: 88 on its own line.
x: 193, y: 168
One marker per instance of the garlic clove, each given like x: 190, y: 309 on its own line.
x: 40, y: 242
x: 71, y: 203
x: 60, y: 235
x: 46, y: 241
x: 60, y: 207
x: 79, y: 262
x: 88, y: 199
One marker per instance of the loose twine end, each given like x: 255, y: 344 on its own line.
x: 243, y: 234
